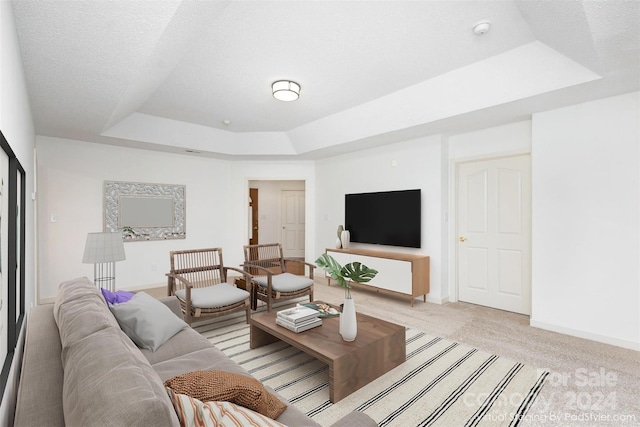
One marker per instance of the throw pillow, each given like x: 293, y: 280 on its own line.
x: 235, y: 388
x: 117, y: 297
x: 195, y: 413
x: 148, y: 322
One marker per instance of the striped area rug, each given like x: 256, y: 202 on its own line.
x: 442, y: 383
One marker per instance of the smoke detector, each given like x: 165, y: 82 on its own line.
x: 481, y: 28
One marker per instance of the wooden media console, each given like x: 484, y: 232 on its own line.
x: 398, y: 273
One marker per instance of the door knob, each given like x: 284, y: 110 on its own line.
x: 462, y: 239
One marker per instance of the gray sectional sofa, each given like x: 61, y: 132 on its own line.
x: 80, y: 369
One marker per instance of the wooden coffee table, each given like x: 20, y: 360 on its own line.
x: 379, y: 347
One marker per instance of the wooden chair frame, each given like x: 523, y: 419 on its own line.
x: 268, y: 260
x: 200, y: 268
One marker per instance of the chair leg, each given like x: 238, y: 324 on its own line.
x: 254, y: 296
x: 247, y: 309
x: 269, y: 292
x: 169, y: 286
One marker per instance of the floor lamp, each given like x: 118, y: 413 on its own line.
x: 103, y: 250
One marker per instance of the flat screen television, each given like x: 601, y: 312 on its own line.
x: 384, y: 218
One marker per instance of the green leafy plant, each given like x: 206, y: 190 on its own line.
x: 344, y: 275
x: 128, y: 231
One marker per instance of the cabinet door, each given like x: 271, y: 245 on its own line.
x: 393, y: 275
x: 341, y: 257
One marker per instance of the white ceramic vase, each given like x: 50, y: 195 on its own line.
x: 348, y: 322
x: 345, y: 238
x: 338, y: 243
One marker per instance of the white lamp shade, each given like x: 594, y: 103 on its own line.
x: 285, y: 90
x: 103, y: 247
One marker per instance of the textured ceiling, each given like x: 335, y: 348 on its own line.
x: 165, y: 74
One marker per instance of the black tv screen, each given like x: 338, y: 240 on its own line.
x: 384, y: 218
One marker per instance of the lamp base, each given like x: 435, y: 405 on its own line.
x: 104, y: 275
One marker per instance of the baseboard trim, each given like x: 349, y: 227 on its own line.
x: 43, y: 301
x: 435, y: 300
x: 631, y: 345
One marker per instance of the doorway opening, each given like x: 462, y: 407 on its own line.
x: 277, y: 214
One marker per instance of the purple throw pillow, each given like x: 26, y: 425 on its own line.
x: 117, y: 297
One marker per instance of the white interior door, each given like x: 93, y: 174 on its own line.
x: 494, y: 233
x: 293, y: 217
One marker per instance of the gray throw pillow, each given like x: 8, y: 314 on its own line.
x: 148, y: 322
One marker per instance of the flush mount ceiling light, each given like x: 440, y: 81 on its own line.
x: 285, y: 90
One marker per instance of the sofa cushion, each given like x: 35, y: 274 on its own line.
x: 205, y: 359
x: 220, y: 385
x: 107, y: 382
x: 80, y: 310
x: 195, y: 413
x: 148, y: 322
x: 74, y: 289
x: 285, y: 282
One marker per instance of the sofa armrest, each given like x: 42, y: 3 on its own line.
x: 355, y: 418
x: 174, y: 304
x: 40, y: 390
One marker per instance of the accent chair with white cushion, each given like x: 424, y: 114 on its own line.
x: 198, y: 279
x: 270, y: 279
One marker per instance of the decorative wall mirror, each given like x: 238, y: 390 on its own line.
x: 144, y: 211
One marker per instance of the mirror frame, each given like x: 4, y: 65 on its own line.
x: 114, y: 190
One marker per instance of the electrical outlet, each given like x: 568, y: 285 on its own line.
x: 53, y: 218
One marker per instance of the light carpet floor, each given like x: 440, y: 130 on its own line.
x: 442, y: 383
x: 590, y: 383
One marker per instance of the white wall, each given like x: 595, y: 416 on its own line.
x: 16, y: 124
x: 512, y: 138
x: 269, y: 207
x: 586, y: 214
x: 586, y: 220
x: 418, y: 165
x: 71, y: 176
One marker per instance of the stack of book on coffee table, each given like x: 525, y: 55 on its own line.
x: 298, y: 319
